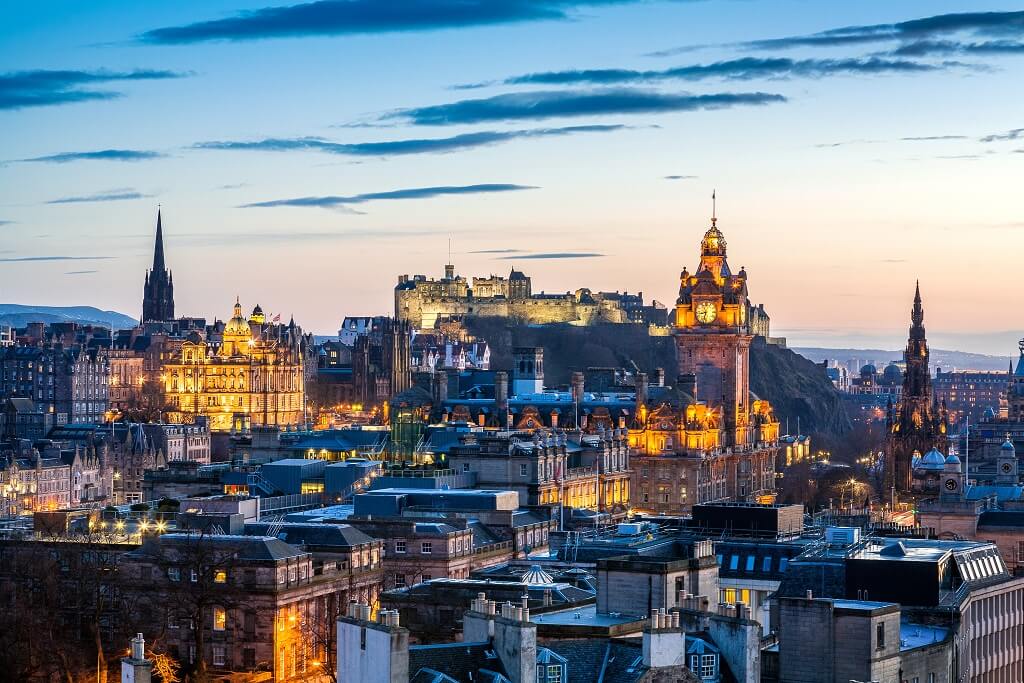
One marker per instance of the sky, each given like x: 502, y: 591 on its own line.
x: 305, y: 155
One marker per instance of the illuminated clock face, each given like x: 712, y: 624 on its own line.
x: 951, y: 484
x: 1007, y: 467
x: 706, y: 312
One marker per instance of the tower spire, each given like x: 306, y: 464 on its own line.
x: 714, y: 208
x: 917, y: 314
x: 158, y: 249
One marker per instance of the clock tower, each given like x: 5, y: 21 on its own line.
x: 712, y: 338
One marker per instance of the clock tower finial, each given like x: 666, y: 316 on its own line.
x: 714, y: 208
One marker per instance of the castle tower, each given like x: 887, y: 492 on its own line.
x: 917, y: 423
x: 158, y: 293
x: 712, y: 342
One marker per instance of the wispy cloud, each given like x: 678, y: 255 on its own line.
x: 997, y: 25
x: 551, y: 255
x: 930, y: 48
x: 679, y: 177
x: 233, y: 186
x: 2, y: 223
x: 403, y: 147
x: 931, y: 138
x: 568, y: 103
x: 32, y: 259
x: 80, y: 272
x: 342, y: 202
x: 107, y: 196
x: 1014, y: 134
x: 497, y: 251
x: 744, y: 68
x: 40, y: 88
x: 353, y: 17
x: 98, y: 155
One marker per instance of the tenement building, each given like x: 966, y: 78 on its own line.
x: 421, y: 301
x: 711, y: 439
x: 918, y: 423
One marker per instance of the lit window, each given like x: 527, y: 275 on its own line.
x: 555, y: 673
x: 220, y: 619
x: 220, y: 576
x: 734, y: 562
x: 750, y: 563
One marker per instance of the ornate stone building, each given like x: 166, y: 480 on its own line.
x: 711, y: 439
x: 158, y: 293
x: 240, y: 374
x: 422, y: 301
x: 917, y: 424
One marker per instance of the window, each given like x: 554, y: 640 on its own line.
x: 523, y: 469
x: 426, y: 547
x: 174, y: 574
x: 218, y: 655
x: 194, y: 576
x: 880, y: 636
x: 750, y: 563
x: 554, y: 673
x: 220, y: 619
x: 465, y: 467
x: 220, y: 576
x: 399, y: 546
x: 783, y: 563
x: 734, y: 562
x: 766, y: 565
x: 249, y: 658
x: 707, y: 666
x: 694, y: 663
x: 427, y: 577
x: 1020, y: 551
x: 399, y: 580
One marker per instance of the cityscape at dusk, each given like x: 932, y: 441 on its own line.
x: 511, y: 341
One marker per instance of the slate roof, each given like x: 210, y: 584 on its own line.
x: 246, y: 547
x: 461, y: 662
x: 1001, y: 518
x: 313, y: 534
x: 621, y: 660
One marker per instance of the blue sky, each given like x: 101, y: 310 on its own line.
x: 306, y: 155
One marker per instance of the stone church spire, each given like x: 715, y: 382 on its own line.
x: 158, y: 293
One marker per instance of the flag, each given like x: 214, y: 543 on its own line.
x: 276, y: 318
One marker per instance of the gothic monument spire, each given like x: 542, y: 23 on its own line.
x: 158, y: 293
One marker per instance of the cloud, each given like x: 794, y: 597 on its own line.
x: 997, y: 25
x: 108, y: 196
x: 99, y: 155
x: 744, y: 68
x: 80, y: 272
x: 2, y: 223
x: 1014, y: 134
x: 497, y: 251
x: 403, y: 147
x: 929, y: 48
x: 549, y: 104
x: 928, y: 138
x: 341, y: 202
x: 33, y: 259
x: 355, y: 17
x: 40, y: 88
x: 233, y: 186
x: 679, y: 177
x: 551, y: 255
x: 846, y: 143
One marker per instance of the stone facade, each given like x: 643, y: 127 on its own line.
x: 712, y: 439
x: 423, y: 301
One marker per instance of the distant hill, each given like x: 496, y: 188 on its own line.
x: 940, y: 358
x: 17, y: 315
x: 795, y: 386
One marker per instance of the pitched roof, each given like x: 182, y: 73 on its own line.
x: 459, y: 661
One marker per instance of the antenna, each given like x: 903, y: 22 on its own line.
x: 714, y: 207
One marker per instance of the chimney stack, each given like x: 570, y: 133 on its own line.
x: 136, y: 668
